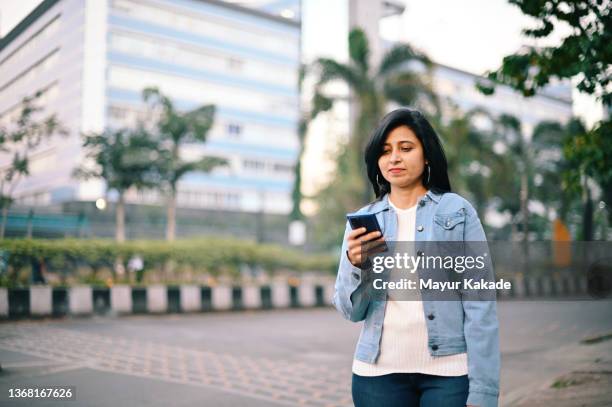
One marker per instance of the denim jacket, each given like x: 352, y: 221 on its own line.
x: 452, y: 326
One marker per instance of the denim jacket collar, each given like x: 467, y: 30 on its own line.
x: 383, y: 203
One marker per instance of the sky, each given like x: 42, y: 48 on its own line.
x: 13, y: 11
x: 472, y: 35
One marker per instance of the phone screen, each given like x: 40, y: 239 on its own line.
x: 368, y: 221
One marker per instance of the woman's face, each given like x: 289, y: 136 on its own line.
x: 402, y: 161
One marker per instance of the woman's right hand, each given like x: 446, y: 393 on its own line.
x: 356, y: 238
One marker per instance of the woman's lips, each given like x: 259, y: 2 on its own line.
x: 396, y: 170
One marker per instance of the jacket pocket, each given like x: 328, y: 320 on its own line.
x: 450, y: 225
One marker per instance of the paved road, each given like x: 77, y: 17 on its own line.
x: 285, y: 357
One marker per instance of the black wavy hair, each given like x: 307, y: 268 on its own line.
x: 432, y: 150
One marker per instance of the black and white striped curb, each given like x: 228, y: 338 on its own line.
x: 42, y: 300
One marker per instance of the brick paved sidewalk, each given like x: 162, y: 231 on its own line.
x: 585, y: 385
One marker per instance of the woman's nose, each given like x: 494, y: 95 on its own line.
x: 394, y: 156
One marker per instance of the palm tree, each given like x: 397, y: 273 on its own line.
x: 548, y: 140
x: 516, y: 148
x: 174, y: 129
x: 540, y: 164
x: 373, y: 88
x: 124, y: 159
x: 319, y: 104
x: 470, y: 156
x: 589, y: 156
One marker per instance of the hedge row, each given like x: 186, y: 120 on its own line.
x: 213, y: 256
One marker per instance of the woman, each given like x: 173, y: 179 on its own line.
x: 416, y: 353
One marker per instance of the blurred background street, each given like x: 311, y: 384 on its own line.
x: 284, y: 357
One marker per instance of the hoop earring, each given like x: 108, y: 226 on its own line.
x: 378, y: 180
x: 428, y: 174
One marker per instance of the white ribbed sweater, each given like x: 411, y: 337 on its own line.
x: 403, y: 346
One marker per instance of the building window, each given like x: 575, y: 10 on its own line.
x: 34, y: 71
x: 39, y: 37
x: 203, y: 199
x: 254, y: 165
x: 234, y: 129
x: 283, y: 168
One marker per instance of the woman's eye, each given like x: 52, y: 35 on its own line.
x: 406, y: 149
x: 386, y: 151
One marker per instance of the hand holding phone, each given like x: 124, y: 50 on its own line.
x: 367, y: 232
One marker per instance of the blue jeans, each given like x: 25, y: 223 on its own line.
x: 410, y: 390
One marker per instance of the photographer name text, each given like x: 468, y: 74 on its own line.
x: 430, y: 284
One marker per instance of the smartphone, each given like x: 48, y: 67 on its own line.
x: 368, y: 221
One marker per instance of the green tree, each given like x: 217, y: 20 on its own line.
x: 589, y: 155
x: 584, y: 53
x: 469, y: 153
x: 17, y: 142
x: 531, y: 168
x: 174, y: 129
x: 549, y: 140
x: 394, y: 80
x: 124, y: 159
x: 519, y: 153
x: 514, y: 178
x: 318, y: 104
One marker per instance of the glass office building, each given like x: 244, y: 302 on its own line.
x: 92, y: 58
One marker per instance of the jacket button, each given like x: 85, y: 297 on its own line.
x: 420, y: 228
x: 434, y: 347
x: 430, y: 316
x: 420, y: 253
x: 422, y: 202
x: 447, y: 223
